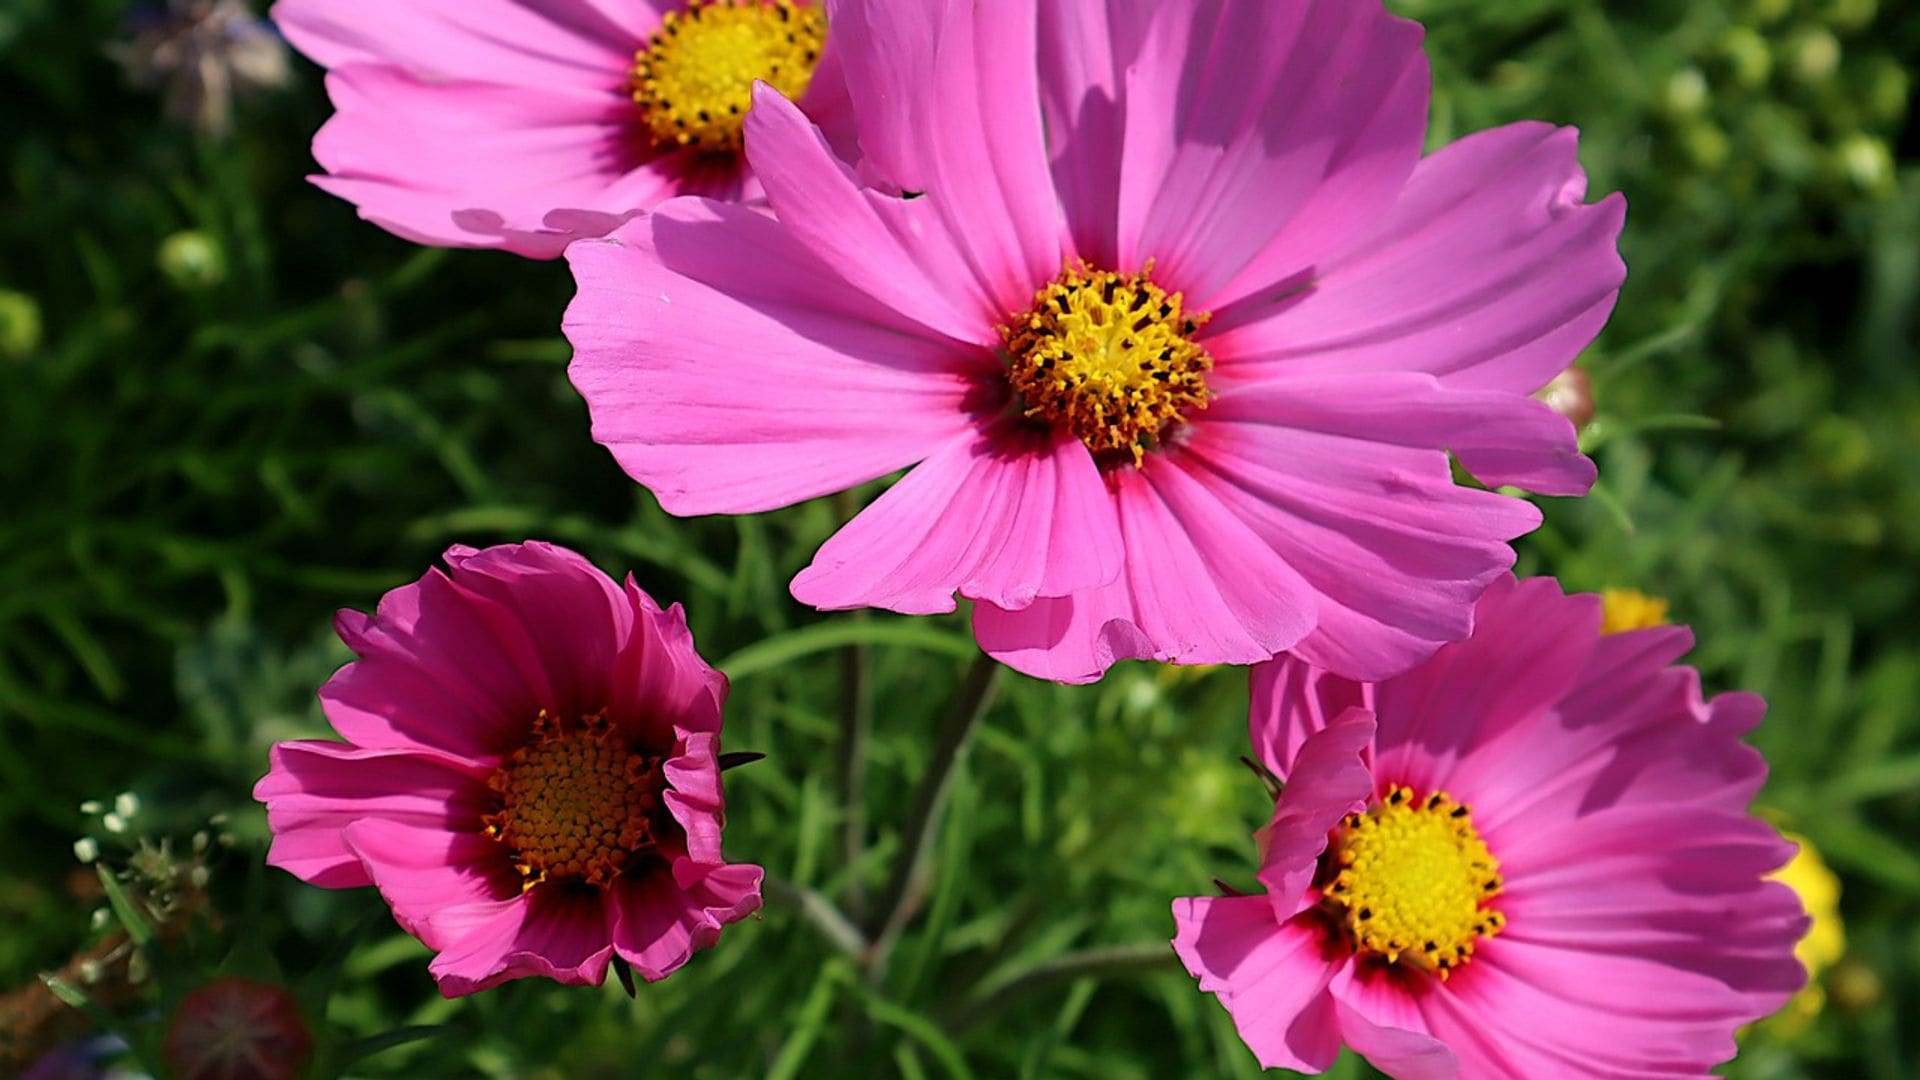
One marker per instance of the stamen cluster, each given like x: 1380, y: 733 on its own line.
x: 1110, y: 357
x: 576, y: 803
x: 1408, y: 880
x: 694, y: 79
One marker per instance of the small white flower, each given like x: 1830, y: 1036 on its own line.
x: 86, y: 849
x: 126, y: 804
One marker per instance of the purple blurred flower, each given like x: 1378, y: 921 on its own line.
x: 201, y: 53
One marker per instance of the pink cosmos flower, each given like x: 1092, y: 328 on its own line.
x: 529, y: 777
x: 525, y: 124
x: 1164, y: 308
x: 1530, y: 856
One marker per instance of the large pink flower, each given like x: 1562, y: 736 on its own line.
x: 525, y: 124
x: 1163, y: 305
x: 530, y: 774
x: 1530, y: 856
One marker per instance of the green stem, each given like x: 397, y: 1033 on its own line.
x: 1107, y: 961
x: 906, y: 890
x: 819, y: 912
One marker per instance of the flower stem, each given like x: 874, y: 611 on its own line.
x: 1107, y: 961
x: 856, y: 728
x: 819, y: 912
x: 907, y: 888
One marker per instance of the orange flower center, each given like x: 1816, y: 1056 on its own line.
x: 694, y: 79
x: 1410, y: 880
x: 1110, y: 357
x: 576, y: 803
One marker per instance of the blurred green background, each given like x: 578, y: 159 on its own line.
x: 227, y: 407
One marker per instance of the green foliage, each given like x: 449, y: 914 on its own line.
x: 230, y: 408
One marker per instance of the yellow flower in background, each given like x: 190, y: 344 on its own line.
x: 1826, y: 940
x: 1631, y: 609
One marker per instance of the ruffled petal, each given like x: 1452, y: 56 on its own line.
x: 1271, y: 976
x: 662, y: 920
x: 1490, y: 272
x: 1329, y: 780
x: 1212, y: 174
x: 526, y: 43
x: 661, y: 684
x: 437, y: 882
x: 731, y: 371
x: 555, y: 934
x: 695, y: 795
x: 433, y: 674
x: 1291, y: 701
x: 552, y: 607
x: 314, y: 790
x: 1002, y: 518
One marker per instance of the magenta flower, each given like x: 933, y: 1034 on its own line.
x: 530, y: 774
x: 1164, y: 308
x: 1530, y: 856
x: 524, y: 124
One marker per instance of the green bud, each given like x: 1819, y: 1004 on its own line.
x: 1866, y: 162
x: 1850, y: 15
x: 19, y: 325
x: 1687, y: 92
x: 1706, y: 145
x: 1814, y: 54
x: 192, y: 261
x: 1749, y: 56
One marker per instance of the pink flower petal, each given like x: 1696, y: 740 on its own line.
x: 1199, y: 588
x: 661, y: 920
x: 1292, y: 700
x: 1652, y: 741
x: 314, y: 790
x: 529, y: 43
x: 1002, y: 518
x: 893, y: 250
x: 696, y: 797
x: 948, y: 105
x: 1383, y: 1023
x: 1084, y: 51
x: 660, y: 683
x: 1532, y: 446
x: 554, y: 612
x: 431, y: 674
x: 780, y: 386
x: 1490, y: 272
x: 1329, y: 780
x: 1212, y: 173
x: 1271, y: 976
x: 480, y: 164
x: 432, y: 877
x: 1475, y: 697
x: 1393, y: 552
x: 556, y: 934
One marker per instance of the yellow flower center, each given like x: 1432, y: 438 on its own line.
x: 694, y: 79
x: 1630, y: 609
x: 576, y: 803
x: 1410, y: 878
x: 1110, y: 357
